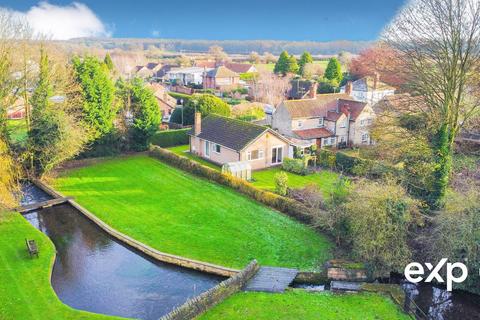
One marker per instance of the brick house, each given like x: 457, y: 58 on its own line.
x: 326, y: 120
x: 166, y: 102
x: 221, y: 140
x: 221, y: 78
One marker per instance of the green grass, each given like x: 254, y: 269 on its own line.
x: 301, y: 305
x: 17, y: 130
x: 184, y: 151
x: 180, y: 214
x: 264, y: 179
x: 25, y: 290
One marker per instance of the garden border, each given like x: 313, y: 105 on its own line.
x: 149, y: 251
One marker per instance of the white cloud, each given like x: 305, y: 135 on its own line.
x: 155, y: 33
x: 64, y: 22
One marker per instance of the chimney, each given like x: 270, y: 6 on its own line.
x: 312, y: 93
x: 348, y: 88
x: 197, y: 124
x: 376, y: 78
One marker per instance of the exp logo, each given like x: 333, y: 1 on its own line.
x: 414, y: 271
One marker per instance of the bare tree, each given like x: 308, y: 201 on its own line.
x: 270, y: 88
x: 439, y: 44
x: 218, y: 54
x: 254, y: 57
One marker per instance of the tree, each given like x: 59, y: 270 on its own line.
x: 269, y: 58
x: 203, y: 103
x: 98, y: 91
x: 255, y: 58
x: 254, y: 111
x: 108, y: 62
x: 305, y: 59
x: 218, y: 54
x: 439, y: 45
x: 56, y: 134
x: 344, y: 57
x: 382, y: 60
x: 146, y: 114
x: 334, y: 70
x: 286, y: 64
x: 281, y: 183
x: 270, y: 88
x: 379, y: 216
x: 8, y: 181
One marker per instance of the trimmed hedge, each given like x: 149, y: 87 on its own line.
x: 170, y: 138
x: 354, y: 165
x: 178, y: 96
x: 288, y: 206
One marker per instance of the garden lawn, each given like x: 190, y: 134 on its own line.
x: 180, y: 214
x: 264, y: 179
x: 25, y: 290
x: 184, y: 151
x: 17, y: 130
x: 302, y: 305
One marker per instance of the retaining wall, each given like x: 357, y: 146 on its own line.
x: 151, y: 252
x: 203, y: 302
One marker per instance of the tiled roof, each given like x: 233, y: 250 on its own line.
x: 354, y: 107
x: 221, y: 72
x: 318, y: 107
x: 238, y: 67
x: 314, y: 133
x: 231, y: 133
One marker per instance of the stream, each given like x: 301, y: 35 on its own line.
x: 97, y: 273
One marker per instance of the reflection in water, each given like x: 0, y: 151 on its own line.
x: 439, y: 304
x: 93, y: 272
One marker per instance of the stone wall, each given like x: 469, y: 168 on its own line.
x: 205, y: 301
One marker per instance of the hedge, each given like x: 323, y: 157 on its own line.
x: 354, y: 165
x: 170, y: 138
x: 297, y: 166
x: 288, y: 206
x: 178, y: 96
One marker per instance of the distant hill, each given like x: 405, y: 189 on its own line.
x: 230, y: 46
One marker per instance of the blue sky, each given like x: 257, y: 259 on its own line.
x: 217, y: 19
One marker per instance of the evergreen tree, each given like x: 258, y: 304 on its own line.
x: 292, y: 65
x: 146, y: 114
x: 205, y: 104
x: 283, y: 64
x: 44, y: 90
x: 304, y: 60
x: 334, y: 70
x: 108, y: 62
x: 99, y: 110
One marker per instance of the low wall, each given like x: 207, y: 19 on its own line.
x: 203, y: 302
x: 311, y: 278
x: 160, y: 256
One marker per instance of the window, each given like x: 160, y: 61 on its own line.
x: 217, y: 148
x: 343, y: 124
x: 277, y: 155
x: 299, y: 124
x: 207, y: 149
x: 364, y: 137
x: 320, y: 122
x: 369, y: 121
x: 362, y: 122
x: 342, y: 139
x: 255, y: 155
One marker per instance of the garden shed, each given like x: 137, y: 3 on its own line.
x: 240, y: 169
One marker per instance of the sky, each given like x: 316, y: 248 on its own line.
x: 313, y: 20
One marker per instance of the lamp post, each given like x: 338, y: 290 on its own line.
x: 181, y: 102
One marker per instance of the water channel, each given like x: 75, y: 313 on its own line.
x: 96, y: 273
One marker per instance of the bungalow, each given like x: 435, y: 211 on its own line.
x: 326, y: 120
x: 222, y: 140
x: 151, y: 69
x: 220, y: 78
x: 368, y: 89
x: 241, y: 67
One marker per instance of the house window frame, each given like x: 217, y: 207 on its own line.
x: 260, y: 155
x: 365, y: 137
x: 278, y: 147
x: 217, y: 146
x: 321, y: 122
x: 207, y: 149
x: 299, y: 123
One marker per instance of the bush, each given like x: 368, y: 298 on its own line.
x: 108, y: 145
x: 288, y: 206
x: 281, y: 183
x: 297, y: 166
x: 170, y: 138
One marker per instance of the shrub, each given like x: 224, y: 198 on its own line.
x: 170, y: 138
x: 326, y: 158
x: 297, y: 166
x: 288, y: 206
x: 281, y: 183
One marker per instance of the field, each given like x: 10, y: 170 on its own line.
x: 17, y: 130
x: 298, y: 304
x: 180, y: 214
x: 25, y: 290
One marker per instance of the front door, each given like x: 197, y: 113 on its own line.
x: 277, y: 155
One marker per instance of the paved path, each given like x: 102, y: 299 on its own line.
x: 270, y: 279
